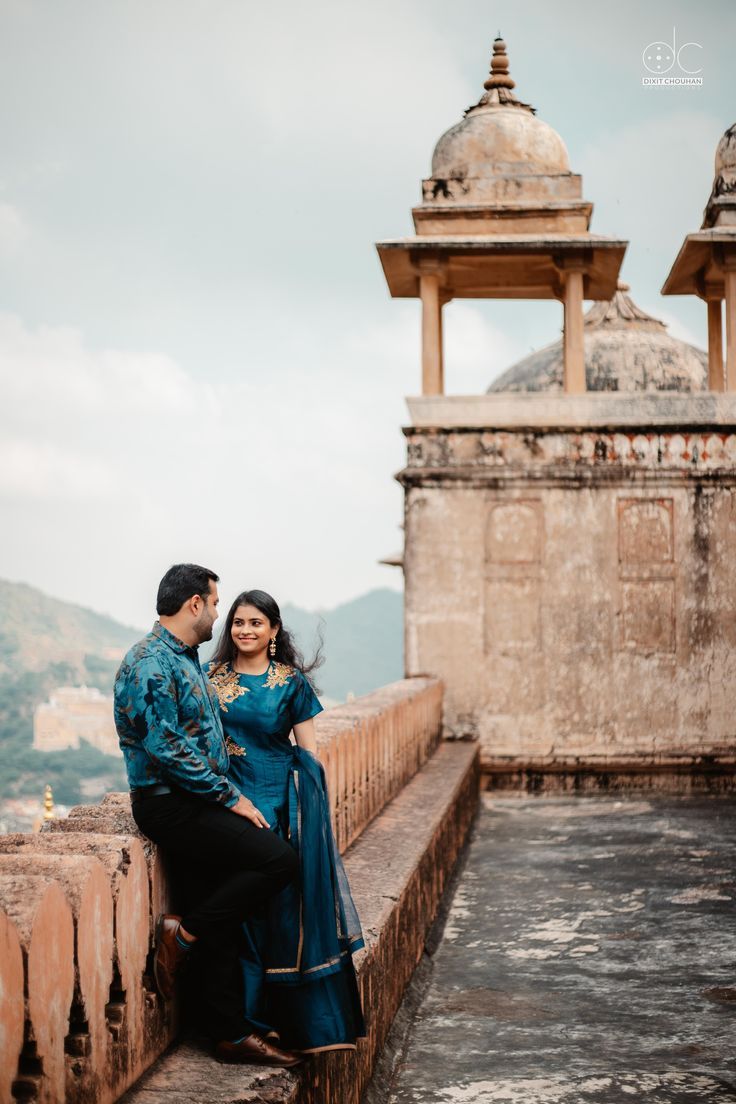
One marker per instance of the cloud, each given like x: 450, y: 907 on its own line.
x: 647, y: 191
x: 40, y: 470
x: 13, y: 229
x: 231, y: 389
x: 116, y: 463
x: 281, y: 476
x: 476, y: 350
x: 50, y: 372
x: 644, y: 188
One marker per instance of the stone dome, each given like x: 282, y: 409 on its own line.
x: 500, y: 135
x: 499, y: 140
x: 720, y: 210
x: 626, y: 349
x: 726, y: 153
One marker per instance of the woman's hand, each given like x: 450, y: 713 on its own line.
x: 245, y: 808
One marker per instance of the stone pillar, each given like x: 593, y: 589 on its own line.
x: 730, y: 288
x: 432, y: 362
x: 716, y: 381
x: 573, y: 344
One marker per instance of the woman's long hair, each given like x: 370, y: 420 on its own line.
x: 286, y: 648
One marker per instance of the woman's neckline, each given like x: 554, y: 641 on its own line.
x: 252, y: 674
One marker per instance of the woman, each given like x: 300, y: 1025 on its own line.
x: 297, y: 967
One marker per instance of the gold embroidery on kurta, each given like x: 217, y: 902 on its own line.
x: 278, y: 675
x: 227, y: 686
x: 233, y: 748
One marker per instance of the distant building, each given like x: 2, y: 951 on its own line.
x: 73, y: 714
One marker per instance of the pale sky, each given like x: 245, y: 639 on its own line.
x: 198, y: 354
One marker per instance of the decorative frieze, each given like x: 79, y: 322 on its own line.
x: 564, y: 454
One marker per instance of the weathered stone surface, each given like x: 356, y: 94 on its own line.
x: 43, y: 922
x: 372, y: 746
x: 576, y: 591
x: 501, y: 169
x: 594, y: 409
x: 626, y: 349
x: 397, y: 869
x: 11, y: 1006
x: 112, y: 817
x: 138, y: 1024
x: 595, y: 965
x: 569, y: 457
x: 86, y: 887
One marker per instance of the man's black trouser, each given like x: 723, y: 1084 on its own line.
x: 225, y: 869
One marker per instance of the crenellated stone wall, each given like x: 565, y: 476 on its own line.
x: 79, y: 1016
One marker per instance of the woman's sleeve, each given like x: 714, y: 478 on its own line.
x: 305, y: 703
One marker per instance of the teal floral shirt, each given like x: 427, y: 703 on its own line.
x: 168, y: 720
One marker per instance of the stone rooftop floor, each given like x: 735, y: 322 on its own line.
x: 589, y: 957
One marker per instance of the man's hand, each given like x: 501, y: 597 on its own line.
x: 245, y: 808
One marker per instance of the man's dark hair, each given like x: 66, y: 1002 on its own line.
x: 179, y: 584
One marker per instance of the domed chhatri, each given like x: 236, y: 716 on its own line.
x: 502, y: 217
x: 626, y: 349
x: 721, y: 208
x: 706, y: 266
x: 504, y: 166
x: 498, y: 135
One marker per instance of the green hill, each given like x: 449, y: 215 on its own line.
x: 363, y: 642
x: 37, y: 631
x: 46, y: 643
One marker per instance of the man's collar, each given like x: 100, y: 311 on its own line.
x: 173, y: 642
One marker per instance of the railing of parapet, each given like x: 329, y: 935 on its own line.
x: 371, y: 747
x: 79, y: 1017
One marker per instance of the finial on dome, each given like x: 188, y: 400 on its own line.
x: 499, y: 75
x: 621, y: 310
x: 499, y: 84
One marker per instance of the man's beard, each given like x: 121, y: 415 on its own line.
x: 203, y: 629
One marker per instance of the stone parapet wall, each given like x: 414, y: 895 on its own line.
x: 398, y: 868
x: 79, y: 1016
x: 98, y: 883
x: 372, y: 746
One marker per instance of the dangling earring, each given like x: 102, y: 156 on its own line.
x: 272, y: 646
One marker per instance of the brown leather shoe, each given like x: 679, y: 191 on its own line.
x: 169, y: 955
x: 253, y: 1050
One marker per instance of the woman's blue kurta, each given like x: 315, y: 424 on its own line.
x: 297, y: 965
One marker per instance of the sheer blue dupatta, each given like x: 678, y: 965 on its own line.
x: 328, y: 928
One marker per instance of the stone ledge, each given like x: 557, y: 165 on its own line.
x: 398, y: 870
x: 667, y: 774
x: 595, y: 408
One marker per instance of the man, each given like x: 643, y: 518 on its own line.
x: 168, y: 722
